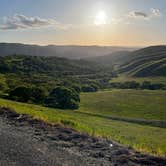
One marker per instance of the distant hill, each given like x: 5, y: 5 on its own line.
x: 150, y: 61
x: 72, y: 52
x: 55, y: 66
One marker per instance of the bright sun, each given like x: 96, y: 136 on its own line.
x: 101, y: 18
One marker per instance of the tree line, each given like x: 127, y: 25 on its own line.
x: 137, y: 85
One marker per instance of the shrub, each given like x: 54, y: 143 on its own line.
x: 89, y: 88
x: 146, y: 85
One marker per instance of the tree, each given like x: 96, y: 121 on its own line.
x: 63, y: 98
x: 21, y: 93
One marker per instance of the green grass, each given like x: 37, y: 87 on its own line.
x: 124, y: 78
x: 141, y: 137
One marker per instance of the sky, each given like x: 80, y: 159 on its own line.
x: 83, y: 22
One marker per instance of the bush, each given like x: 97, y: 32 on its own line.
x: 146, y: 85
x: 63, y: 98
x: 89, y: 88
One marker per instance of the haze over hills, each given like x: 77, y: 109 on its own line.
x: 113, y: 59
x: 72, y: 52
x: 149, y: 61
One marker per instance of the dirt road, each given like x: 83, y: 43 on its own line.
x: 28, y: 142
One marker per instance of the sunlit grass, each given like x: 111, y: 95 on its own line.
x: 139, y: 104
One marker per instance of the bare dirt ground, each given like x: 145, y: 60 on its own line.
x: 28, y: 142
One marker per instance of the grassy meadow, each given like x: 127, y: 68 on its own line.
x: 139, y: 104
x: 134, y: 104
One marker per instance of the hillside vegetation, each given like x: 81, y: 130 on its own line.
x: 117, y: 103
x: 48, y: 72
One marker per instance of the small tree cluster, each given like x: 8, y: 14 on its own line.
x: 90, y: 88
x: 59, y: 97
x: 136, y: 85
x: 27, y: 94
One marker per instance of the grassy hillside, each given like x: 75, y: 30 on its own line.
x: 138, y: 104
x: 150, y: 61
x: 146, y: 138
x: 146, y: 62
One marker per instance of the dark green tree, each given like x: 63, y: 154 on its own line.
x: 63, y: 98
x: 21, y: 93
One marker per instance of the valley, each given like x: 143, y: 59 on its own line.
x: 99, y: 96
x: 82, y: 83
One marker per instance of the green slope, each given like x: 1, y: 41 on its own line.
x: 150, y: 61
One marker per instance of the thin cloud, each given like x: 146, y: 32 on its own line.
x: 136, y: 14
x: 147, y: 16
x: 19, y: 21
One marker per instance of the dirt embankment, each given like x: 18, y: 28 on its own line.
x: 28, y: 142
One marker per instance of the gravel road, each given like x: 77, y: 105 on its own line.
x: 28, y: 142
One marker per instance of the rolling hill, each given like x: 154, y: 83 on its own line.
x: 150, y: 61
x: 146, y: 62
x: 71, y: 52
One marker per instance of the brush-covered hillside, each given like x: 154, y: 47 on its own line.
x: 150, y: 61
x: 49, y: 65
x: 50, y: 71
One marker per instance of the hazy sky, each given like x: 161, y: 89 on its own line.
x: 83, y: 22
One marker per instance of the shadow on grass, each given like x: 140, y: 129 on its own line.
x: 155, y: 123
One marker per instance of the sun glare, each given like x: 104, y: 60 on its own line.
x: 101, y: 18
